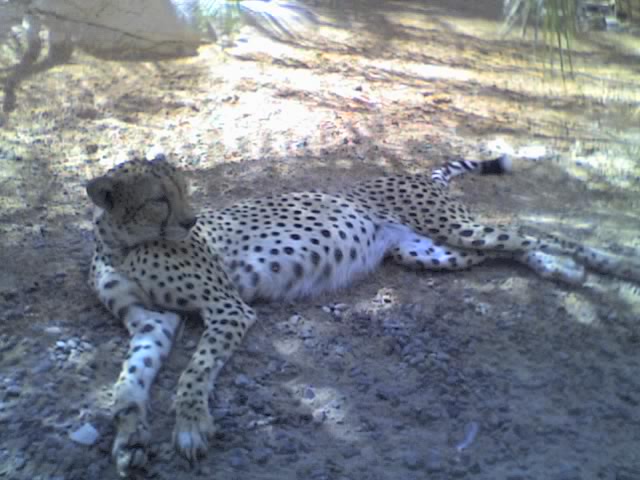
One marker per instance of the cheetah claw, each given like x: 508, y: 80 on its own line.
x: 130, y: 445
x: 191, y: 436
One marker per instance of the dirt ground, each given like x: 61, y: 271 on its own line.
x: 491, y: 373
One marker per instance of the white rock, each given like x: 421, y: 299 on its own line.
x: 85, y: 435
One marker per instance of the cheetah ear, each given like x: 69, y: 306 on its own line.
x: 100, y: 191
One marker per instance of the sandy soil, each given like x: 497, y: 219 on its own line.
x: 492, y: 373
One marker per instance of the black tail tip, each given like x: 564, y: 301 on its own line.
x: 497, y: 166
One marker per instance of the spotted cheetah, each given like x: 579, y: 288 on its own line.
x: 155, y: 258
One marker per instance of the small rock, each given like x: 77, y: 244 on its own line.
x: 43, y: 366
x: 85, y: 435
x: 340, y: 350
x: 19, y: 463
x: 237, y: 458
x: 434, y: 462
x: 442, y: 356
x: 319, y: 474
x: 53, y: 330
x: 350, y: 451
x: 417, y: 359
x: 261, y: 455
x: 285, y: 445
x: 242, y: 380
x: 306, y: 332
x: 412, y: 460
x: 13, y: 391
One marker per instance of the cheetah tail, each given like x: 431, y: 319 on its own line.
x: 497, y: 166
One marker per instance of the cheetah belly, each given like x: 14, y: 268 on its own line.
x: 300, y: 250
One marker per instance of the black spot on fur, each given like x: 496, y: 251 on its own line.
x: 182, y: 302
x: 147, y: 328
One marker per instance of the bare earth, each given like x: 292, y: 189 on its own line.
x: 491, y: 373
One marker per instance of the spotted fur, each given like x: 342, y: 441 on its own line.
x: 153, y: 259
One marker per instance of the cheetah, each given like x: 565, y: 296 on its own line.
x: 156, y: 258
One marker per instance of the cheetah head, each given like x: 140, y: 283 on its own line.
x: 141, y: 201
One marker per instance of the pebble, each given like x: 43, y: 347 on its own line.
x: 285, y: 445
x: 412, y: 460
x: 242, y: 380
x: 350, y: 451
x: 340, y: 350
x: 43, y: 366
x: 238, y: 458
x: 434, y: 462
x: 19, y: 463
x: 261, y: 455
x: 53, y: 330
x: 306, y: 332
x: 13, y: 391
x: 85, y: 435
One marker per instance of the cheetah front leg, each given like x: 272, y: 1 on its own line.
x: 151, y: 334
x: 225, y: 325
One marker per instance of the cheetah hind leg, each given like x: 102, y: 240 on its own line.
x: 555, y: 267
x: 622, y: 266
x: 417, y: 251
x: 548, y: 255
x: 151, y: 334
x: 562, y: 255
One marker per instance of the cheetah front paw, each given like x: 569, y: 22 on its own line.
x: 192, y: 432
x: 131, y: 442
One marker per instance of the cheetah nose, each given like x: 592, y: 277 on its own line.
x: 188, y: 223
